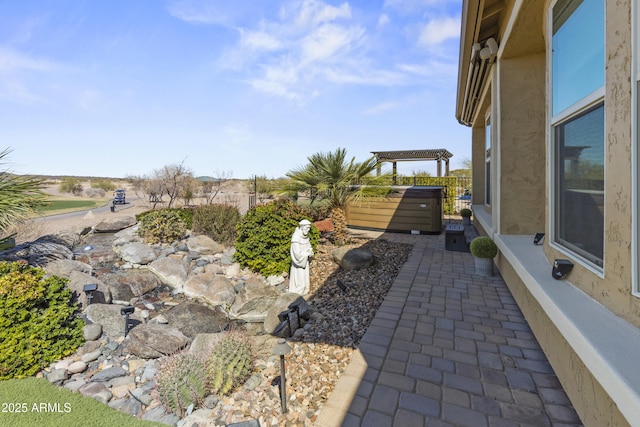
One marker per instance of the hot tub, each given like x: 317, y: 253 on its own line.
x: 415, y: 209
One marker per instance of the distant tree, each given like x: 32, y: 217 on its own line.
x: 213, y: 184
x: 263, y: 187
x: 105, y: 184
x: 71, y: 185
x: 19, y: 195
x: 188, y: 190
x: 421, y: 173
x: 172, y: 179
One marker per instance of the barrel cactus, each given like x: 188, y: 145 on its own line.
x: 182, y: 382
x: 230, y: 363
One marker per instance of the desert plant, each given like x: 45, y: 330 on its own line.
x: 182, y: 381
x: 465, y: 213
x: 37, y: 322
x: 334, y: 178
x: 103, y: 184
x: 162, y: 226
x: 230, y: 363
x: 71, y: 185
x: 264, y: 236
x: 483, y: 247
x: 19, y: 196
x: 216, y: 221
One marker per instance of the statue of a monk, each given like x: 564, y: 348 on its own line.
x: 301, y: 254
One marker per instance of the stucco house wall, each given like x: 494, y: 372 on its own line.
x: 588, y: 324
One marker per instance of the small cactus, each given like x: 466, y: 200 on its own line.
x: 230, y: 363
x: 182, y: 382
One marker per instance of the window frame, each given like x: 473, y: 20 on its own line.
x: 573, y: 111
x: 635, y: 148
x: 488, y: 144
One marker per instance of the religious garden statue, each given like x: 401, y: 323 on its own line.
x: 301, y: 255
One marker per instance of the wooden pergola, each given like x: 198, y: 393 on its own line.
x: 438, y: 154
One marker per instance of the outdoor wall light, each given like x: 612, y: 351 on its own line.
x: 537, y: 240
x: 126, y: 312
x: 89, y: 290
x: 489, y: 50
x: 282, y: 349
x: 561, y: 267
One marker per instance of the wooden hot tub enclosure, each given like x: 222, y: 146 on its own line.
x: 415, y: 209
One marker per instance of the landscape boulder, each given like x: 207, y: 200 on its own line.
x: 64, y: 267
x: 112, y: 321
x: 136, y: 253
x: 193, y: 319
x: 171, y: 271
x: 352, y: 258
x: 204, y: 245
x: 112, y: 225
x: 77, y: 281
x: 253, y: 301
x: 152, y: 341
x: 214, y: 288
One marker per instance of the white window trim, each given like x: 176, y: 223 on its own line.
x: 635, y: 152
x: 488, y: 179
x: 571, y: 111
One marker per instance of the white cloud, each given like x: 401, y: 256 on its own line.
x: 12, y: 60
x: 199, y: 11
x: 259, y: 40
x: 311, y: 13
x: 383, y: 20
x: 328, y: 41
x: 381, y: 108
x: 437, y: 31
x: 411, y: 6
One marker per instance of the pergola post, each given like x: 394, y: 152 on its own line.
x: 395, y: 173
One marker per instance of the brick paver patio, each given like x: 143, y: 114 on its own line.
x: 447, y: 348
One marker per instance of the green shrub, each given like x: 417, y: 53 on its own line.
x: 182, y: 381
x: 71, y: 185
x: 103, y: 184
x: 37, y: 322
x: 318, y: 210
x: 466, y: 213
x: 264, y: 237
x: 216, y: 221
x: 483, y: 247
x: 162, y: 226
x: 230, y: 363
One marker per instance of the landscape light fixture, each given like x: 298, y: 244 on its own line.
x: 561, y: 267
x: 282, y: 349
x: 89, y: 290
x: 126, y: 312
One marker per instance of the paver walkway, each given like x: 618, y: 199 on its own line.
x: 447, y: 348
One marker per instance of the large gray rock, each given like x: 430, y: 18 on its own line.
x: 204, y: 245
x: 76, y: 283
x: 253, y: 301
x: 283, y: 303
x: 215, y: 289
x: 136, y: 253
x: 152, y: 341
x: 112, y: 225
x: 46, y: 249
x: 108, y: 315
x: 193, y: 319
x: 172, y: 271
x: 131, y: 283
x: 126, y: 236
x: 97, y: 391
x: 352, y: 259
x: 64, y: 267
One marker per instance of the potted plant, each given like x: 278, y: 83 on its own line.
x: 466, y: 216
x: 484, y: 250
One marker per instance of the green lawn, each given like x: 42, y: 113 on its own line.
x: 34, y: 402
x: 57, y: 205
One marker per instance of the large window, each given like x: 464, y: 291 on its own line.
x: 578, y: 126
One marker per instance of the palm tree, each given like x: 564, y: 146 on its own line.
x: 19, y: 196
x: 332, y: 177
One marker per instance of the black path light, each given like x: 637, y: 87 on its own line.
x: 126, y: 312
x: 281, y: 349
x: 89, y: 290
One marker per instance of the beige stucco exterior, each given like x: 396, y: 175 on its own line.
x: 515, y: 93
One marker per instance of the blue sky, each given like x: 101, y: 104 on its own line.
x: 243, y: 87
